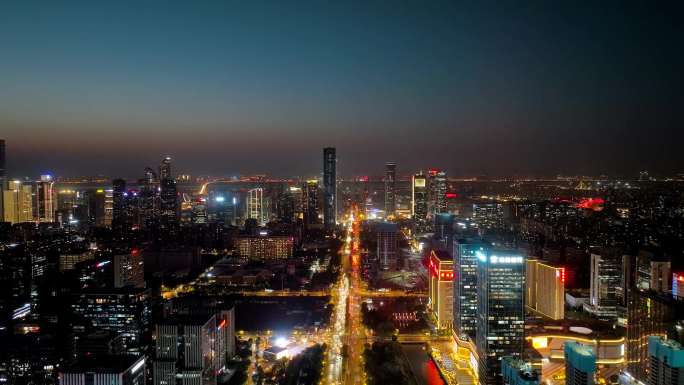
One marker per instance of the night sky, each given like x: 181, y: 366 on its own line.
x: 260, y: 87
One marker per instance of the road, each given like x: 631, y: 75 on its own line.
x: 347, y: 334
x: 356, y: 331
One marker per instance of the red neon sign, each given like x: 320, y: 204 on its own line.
x: 222, y: 324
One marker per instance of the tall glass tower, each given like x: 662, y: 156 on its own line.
x: 501, y: 311
x: 390, y: 198
x: 465, y: 286
x: 329, y: 187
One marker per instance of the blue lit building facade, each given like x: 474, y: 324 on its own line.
x: 666, y: 361
x: 465, y: 286
x: 580, y: 364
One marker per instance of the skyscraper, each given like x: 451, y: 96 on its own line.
x: 419, y: 202
x: 465, y: 286
x: 606, y: 276
x: 310, y: 202
x: 438, y: 193
x: 168, y: 204
x: 44, y: 200
x: 388, y: 245
x: 648, y: 313
x: 165, y: 168
x: 255, y: 205
x: 580, y: 364
x: 129, y: 270
x: 442, y: 288
x: 501, y: 311
x: 119, y: 212
x: 3, y: 178
x: 390, y: 188
x: 186, y: 348
x: 96, y: 207
x: 124, y: 311
x: 18, y: 205
x: 545, y: 289
x: 329, y: 187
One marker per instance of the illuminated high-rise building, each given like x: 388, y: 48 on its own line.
x: 390, y: 188
x: 18, y: 205
x: 388, y: 245
x: 168, y: 206
x: 119, y: 206
x: 606, y: 276
x: 678, y: 285
x: 165, y: 168
x: 96, y: 207
x: 438, y: 192
x: 286, y: 207
x: 419, y: 209
x: 649, y: 313
x: 465, y: 286
x: 194, y: 349
x: 329, y: 187
x: 441, y: 288
x: 501, y: 311
x: 129, y: 270
x: 653, y: 272
x: 108, y: 206
x: 44, y: 200
x: 3, y: 178
x: 124, y: 310
x: 255, y: 205
x: 545, y: 289
x: 310, y: 202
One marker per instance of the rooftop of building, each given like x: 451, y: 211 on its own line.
x: 442, y: 255
x: 524, y: 369
x: 106, y: 364
x: 386, y: 227
x: 668, y: 350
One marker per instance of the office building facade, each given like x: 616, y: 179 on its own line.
x: 545, y: 289
x: 310, y: 203
x: 388, y: 245
x: 255, y: 205
x: 648, y: 313
x: 129, y: 270
x: 18, y: 202
x: 419, y: 202
x: 441, y: 271
x: 329, y: 187
x: 606, y: 277
x: 465, y: 286
x: 390, y: 189
x: 501, y: 311
x: 112, y: 370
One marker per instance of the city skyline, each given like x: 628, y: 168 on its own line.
x: 238, y: 88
